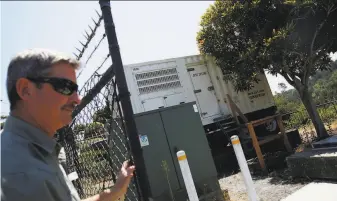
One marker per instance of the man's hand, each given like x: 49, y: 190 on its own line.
x: 121, y: 186
x: 124, y: 177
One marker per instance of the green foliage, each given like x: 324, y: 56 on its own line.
x: 94, y: 129
x: 98, y: 162
x: 98, y: 156
x: 325, y: 89
x: 300, y: 118
x: 323, y: 86
x: 284, y: 105
x: 104, y: 114
x: 79, y: 127
x: 323, y: 74
x: 328, y: 113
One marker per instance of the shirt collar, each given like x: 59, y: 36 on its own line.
x: 30, y: 132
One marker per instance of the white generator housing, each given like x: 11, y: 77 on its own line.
x: 196, y: 78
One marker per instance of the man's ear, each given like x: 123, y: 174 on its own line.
x: 24, y: 88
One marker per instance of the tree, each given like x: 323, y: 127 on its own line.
x: 322, y: 75
x: 284, y: 105
x: 103, y: 115
x: 291, y: 38
x: 79, y: 128
x: 325, y: 89
x: 94, y: 130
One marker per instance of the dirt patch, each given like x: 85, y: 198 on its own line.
x: 334, y: 125
x: 274, y: 187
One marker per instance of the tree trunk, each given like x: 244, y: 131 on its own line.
x: 310, y: 106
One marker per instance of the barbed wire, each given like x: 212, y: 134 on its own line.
x: 95, y: 74
x: 96, y: 47
x: 89, y: 37
x: 92, y: 53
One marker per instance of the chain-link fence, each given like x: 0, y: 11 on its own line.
x: 96, y: 143
x: 300, y: 120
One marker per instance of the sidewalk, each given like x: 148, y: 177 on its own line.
x: 315, y: 192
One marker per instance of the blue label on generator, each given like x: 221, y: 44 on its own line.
x: 144, y: 141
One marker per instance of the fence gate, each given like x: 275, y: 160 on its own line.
x: 103, y: 134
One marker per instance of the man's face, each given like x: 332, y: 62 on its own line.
x: 52, y: 108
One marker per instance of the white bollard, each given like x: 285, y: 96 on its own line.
x: 187, y: 176
x: 244, y: 168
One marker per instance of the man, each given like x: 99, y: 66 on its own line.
x: 42, y: 92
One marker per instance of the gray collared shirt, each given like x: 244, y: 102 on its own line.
x: 29, y: 166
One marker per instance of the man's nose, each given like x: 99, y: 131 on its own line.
x: 76, y: 98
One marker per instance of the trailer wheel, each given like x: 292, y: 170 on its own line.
x: 271, y: 125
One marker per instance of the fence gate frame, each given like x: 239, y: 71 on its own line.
x: 115, y: 75
x: 124, y: 98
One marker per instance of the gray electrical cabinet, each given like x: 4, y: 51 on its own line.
x: 162, y: 133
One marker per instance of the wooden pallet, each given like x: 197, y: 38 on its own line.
x: 250, y: 125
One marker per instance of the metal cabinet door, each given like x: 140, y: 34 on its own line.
x: 155, y: 153
x: 184, y: 131
x: 204, y: 91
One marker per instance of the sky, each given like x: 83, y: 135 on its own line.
x: 146, y: 31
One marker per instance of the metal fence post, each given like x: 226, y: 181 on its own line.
x: 124, y: 97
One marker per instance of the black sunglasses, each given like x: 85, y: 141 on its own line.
x: 60, y: 85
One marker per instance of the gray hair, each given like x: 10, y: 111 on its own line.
x: 33, y: 63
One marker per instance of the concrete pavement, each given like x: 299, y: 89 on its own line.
x: 315, y: 192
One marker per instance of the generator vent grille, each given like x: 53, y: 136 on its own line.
x: 159, y: 80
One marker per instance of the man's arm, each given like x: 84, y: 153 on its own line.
x: 119, y: 189
x: 109, y: 195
